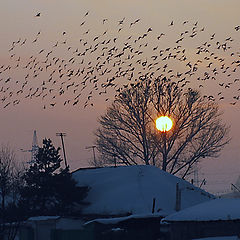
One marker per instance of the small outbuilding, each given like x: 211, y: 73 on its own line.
x: 51, y: 228
x: 215, y: 218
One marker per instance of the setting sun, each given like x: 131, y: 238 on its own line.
x: 164, y: 123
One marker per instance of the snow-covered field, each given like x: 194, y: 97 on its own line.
x: 219, y: 238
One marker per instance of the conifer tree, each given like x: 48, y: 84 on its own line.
x: 49, y: 189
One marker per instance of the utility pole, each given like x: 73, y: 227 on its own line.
x: 61, y: 135
x: 93, y: 150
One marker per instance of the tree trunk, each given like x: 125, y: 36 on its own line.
x: 164, y: 164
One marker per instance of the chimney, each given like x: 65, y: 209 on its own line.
x: 178, y: 198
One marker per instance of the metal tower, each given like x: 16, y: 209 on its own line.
x: 34, y: 149
x: 195, y: 175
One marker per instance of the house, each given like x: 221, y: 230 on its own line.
x: 127, y: 190
x: 118, y: 194
x: 125, y: 202
x: 215, y: 218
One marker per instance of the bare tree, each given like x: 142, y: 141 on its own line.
x: 10, y: 178
x: 127, y: 131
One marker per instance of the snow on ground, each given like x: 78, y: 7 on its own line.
x: 218, y: 209
x: 131, y: 189
x: 219, y: 238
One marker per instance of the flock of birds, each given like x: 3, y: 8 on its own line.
x: 106, y: 63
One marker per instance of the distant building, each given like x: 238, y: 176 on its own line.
x: 235, y: 193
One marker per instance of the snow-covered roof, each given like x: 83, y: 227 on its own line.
x: 121, y: 219
x: 131, y: 189
x: 213, y: 210
x: 43, y: 218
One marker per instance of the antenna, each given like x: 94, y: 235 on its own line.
x: 61, y: 135
x: 93, y: 149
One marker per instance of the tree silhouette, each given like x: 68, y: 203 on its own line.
x: 50, y: 190
x: 127, y: 132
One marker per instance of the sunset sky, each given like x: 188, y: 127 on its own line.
x: 18, y: 21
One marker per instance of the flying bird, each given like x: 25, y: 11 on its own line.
x: 86, y: 13
x: 104, y: 20
x: 237, y: 28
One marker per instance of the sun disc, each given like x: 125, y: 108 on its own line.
x: 164, y: 123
